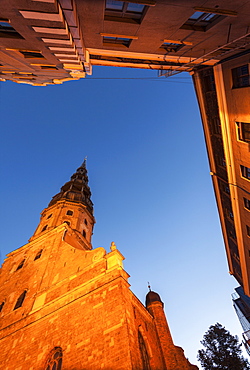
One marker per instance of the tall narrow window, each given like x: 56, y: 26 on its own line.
x: 144, y: 353
x: 20, y: 300
x: 1, y: 306
x: 45, y: 228
x: 84, y: 233
x: 241, y: 76
x: 248, y: 230
x: 54, y: 361
x: 20, y: 265
x: 38, y: 255
x: 245, y: 172
x: 247, y: 203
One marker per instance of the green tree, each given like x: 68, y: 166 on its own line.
x: 222, y: 350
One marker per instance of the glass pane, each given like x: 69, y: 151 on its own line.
x: 5, y: 24
x: 114, y: 5
x: 197, y: 15
x: 208, y: 16
x: 136, y: 8
x: 54, y: 366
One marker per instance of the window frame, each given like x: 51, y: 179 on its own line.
x: 245, y: 172
x: 124, y: 15
x: 238, y: 77
x: 117, y: 41
x: 200, y: 23
x: 246, y: 203
x: 20, y: 300
x: 242, y: 132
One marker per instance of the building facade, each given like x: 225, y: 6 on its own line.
x: 65, y: 305
x: 241, y: 304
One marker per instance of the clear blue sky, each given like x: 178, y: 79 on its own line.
x: 149, y: 177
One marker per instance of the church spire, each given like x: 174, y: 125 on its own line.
x: 77, y: 189
x: 73, y: 206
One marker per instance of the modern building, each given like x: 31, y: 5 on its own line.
x: 52, y: 41
x: 241, y: 304
x: 66, y: 305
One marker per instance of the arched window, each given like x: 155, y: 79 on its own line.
x: 20, y: 265
x: 38, y: 255
x: 20, y: 300
x: 144, y: 352
x: 69, y: 213
x: 84, y: 233
x: 54, y: 361
x: 44, y: 228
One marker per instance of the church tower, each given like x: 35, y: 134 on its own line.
x: 64, y: 305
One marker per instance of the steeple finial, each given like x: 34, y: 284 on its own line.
x: 149, y: 287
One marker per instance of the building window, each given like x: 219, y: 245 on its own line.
x: 85, y: 221
x: 201, y: 21
x: 20, y: 300
x: 114, y: 41
x: 1, y: 306
x: 216, y: 126
x: 38, y: 255
x: 84, y: 233
x: 20, y: 265
x: 7, y: 31
x: 69, y: 213
x: 171, y: 47
x: 144, y: 353
x: 243, y: 129
x: 31, y: 54
x: 54, y: 361
x: 248, y: 230
x: 241, y: 76
x: 45, y: 228
x: 123, y: 11
x: 49, y: 216
x: 246, y: 203
x: 245, y: 172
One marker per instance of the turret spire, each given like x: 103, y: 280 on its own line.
x: 77, y: 189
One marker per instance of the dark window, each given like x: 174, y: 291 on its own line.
x: 108, y: 40
x: 48, y: 67
x: 216, y: 125
x: 209, y: 82
x: 171, y: 47
x: 38, y: 255
x: 1, y: 306
x: 20, y: 300
x: 247, y: 203
x: 7, y: 31
x: 243, y: 131
x: 49, y: 216
x: 20, y: 265
x: 54, y: 361
x: 67, y: 222
x: 144, y: 353
x: 201, y: 21
x: 245, y: 172
x: 69, y: 213
x: 45, y: 228
x: 85, y: 221
x: 84, y: 233
x: 31, y: 54
x: 248, y: 230
x: 226, y: 189
x: 123, y: 11
x: 241, y: 76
